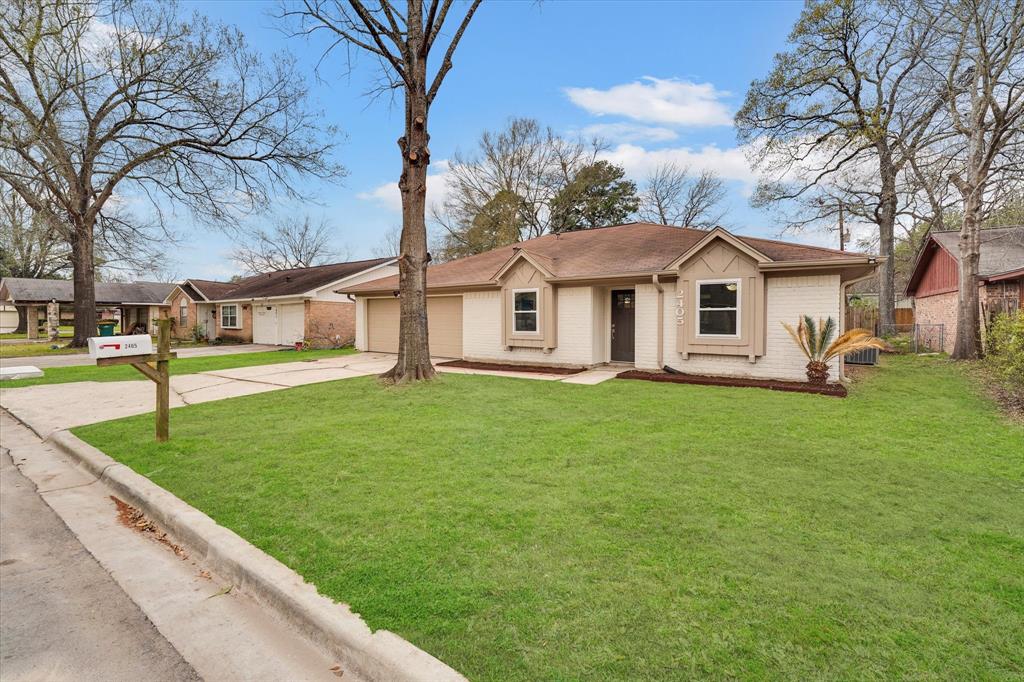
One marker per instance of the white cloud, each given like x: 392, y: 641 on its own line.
x: 657, y: 100
x: 629, y: 132
x: 388, y: 195
x: 730, y: 164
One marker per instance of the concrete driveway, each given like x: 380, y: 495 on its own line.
x: 74, y: 359
x: 53, y: 407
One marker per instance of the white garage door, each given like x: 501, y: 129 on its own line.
x: 278, y: 325
x: 264, y: 324
x: 444, y: 325
x: 292, y: 319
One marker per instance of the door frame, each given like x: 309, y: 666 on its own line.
x: 610, y: 307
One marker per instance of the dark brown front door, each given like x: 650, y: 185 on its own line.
x: 623, y: 324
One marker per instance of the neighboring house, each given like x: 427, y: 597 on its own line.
x: 138, y: 302
x: 8, y: 318
x: 277, y: 308
x: 935, y: 280
x: 703, y: 302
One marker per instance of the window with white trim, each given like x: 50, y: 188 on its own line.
x: 718, y: 308
x: 183, y: 313
x: 524, y: 311
x: 229, y: 317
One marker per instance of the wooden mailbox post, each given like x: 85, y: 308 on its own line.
x: 154, y: 366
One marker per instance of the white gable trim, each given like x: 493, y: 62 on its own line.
x: 726, y: 236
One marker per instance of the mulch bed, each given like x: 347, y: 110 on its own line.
x: 535, y: 369
x: 836, y: 390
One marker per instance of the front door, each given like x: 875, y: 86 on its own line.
x: 623, y: 324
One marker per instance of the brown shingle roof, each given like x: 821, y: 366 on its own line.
x: 603, y: 252
x: 285, y: 282
x: 212, y: 289
x: 1002, y: 249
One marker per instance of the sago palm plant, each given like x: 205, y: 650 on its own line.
x: 815, y: 340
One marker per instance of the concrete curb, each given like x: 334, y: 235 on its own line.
x: 380, y: 655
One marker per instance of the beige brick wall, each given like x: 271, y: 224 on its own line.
x: 330, y: 323
x: 788, y: 298
x: 939, y: 309
x: 481, y: 338
x: 243, y: 335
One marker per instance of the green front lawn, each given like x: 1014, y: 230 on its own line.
x: 526, y: 530
x: 33, y: 350
x: 63, y: 375
x: 65, y: 331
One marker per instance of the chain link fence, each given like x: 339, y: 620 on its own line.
x: 914, y: 338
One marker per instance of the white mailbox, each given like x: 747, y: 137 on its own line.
x: 118, y: 346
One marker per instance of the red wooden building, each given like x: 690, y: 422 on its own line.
x: 935, y: 280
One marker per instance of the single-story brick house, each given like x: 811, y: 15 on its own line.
x: 277, y: 308
x: 136, y: 303
x: 700, y: 301
x: 935, y: 280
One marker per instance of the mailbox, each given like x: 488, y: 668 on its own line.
x: 119, y: 346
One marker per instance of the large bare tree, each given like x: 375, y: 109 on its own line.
x: 840, y: 115
x: 401, y: 37
x: 525, y: 164
x: 671, y: 195
x: 981, y: 71
x: 101, y: 101
x: 292, y: 242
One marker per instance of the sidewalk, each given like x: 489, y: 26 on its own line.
x: 76, y: 359
x: 142, y: 612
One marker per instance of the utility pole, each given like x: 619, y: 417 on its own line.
x: 842, y: 228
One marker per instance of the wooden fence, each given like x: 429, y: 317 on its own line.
x: 859, y: 317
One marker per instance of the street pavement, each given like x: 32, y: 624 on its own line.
x: 62, y: 616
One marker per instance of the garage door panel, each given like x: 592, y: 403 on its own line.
x: 444, y: 325
x: 382, y: 325
x: 264, y: 324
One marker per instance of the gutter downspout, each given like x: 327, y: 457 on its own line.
x: 842, y: 316
x: 661, y: 319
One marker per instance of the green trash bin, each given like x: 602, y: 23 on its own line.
x: 106, y: 327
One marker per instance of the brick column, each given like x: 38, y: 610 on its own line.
x: 32, y: 321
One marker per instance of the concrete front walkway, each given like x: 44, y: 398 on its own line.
x: 54, y: 407
x: 76, y: 359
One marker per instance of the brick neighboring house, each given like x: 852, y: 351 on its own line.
x: 276, y: 308
x: 935, y: 280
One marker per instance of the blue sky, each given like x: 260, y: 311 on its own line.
x: 659, y: 80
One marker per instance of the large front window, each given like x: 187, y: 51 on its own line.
x: 718, y: 304
x: 524, y: 310
x: 229, y: 317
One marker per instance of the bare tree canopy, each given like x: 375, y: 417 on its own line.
x: 839, y: 116
x: 102, y: 100
x: 30, y: 245
x: 291, y: 243
x: 401, y: 39
x: 672, y: 196
x: 525, y: 160
x: 979, y: 69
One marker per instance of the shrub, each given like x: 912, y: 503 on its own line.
x: 1006, y: 347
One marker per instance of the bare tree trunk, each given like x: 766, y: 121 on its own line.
x: 22, y: 319
x: 968, y: 323
x: 886, y: 215
x: 84, y: 267
x: 413, y: 345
